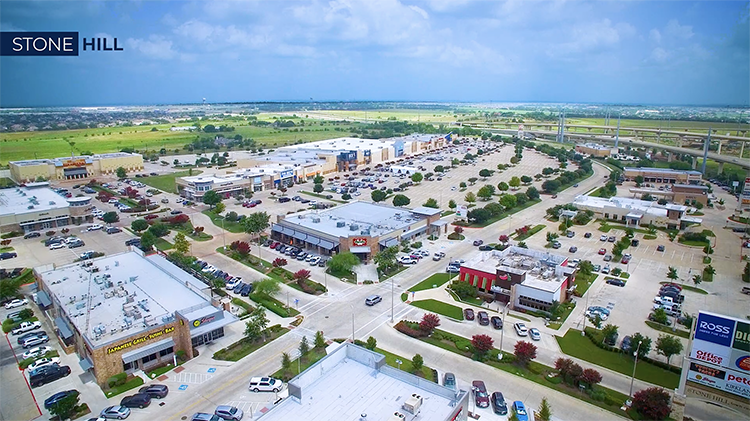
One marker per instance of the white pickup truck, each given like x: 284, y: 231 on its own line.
x: 26, y: 327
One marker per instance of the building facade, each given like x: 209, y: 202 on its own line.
x: 36, y: 207
x: 75, y: 167
x: 663, y: 175
x: 595, y: 149
x: 635, y: 212
x: 128, y: 312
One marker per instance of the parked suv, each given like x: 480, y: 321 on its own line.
x: 48, y: 374
x: 483, y: 318
x: 265, y: 384
x: 158, y: 391
x: 481, y: 398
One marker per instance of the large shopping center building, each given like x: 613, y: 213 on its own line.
x: 36, y: 207
x: 128, y: 312
x: 74, y: 167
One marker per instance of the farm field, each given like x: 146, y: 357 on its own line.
x: 411, y: 116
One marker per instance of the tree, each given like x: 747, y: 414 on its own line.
x: 431, y: 203
x: 697, y: 279
x: 417, y: 177
x: 472, y: 180
x: 609, y: 332
x: 503, y: 238
x: 508, y: 201
x: 660, y: 316
x: 746, y: 273
x: 266, y: 287
x: 378, y: 195
x: 645, y: 347
x: 181, y: 244
x: 547, y: 171
x: 515, y: 182
x: 219, y: 208
x: 503, y: 186
x: 545, y: 412
x: 708, y: 250
x: 672, y: 274
x: 551, y: 186
x: 65, y: 407
x: 258, y: 316
x: 668, y: 345
x: 485, y: 173
x: 482, y: 344
x: 652, y: 403
x: 521, y: 198
x: 452, y: 205
x: 371, y: 344
x: 455, y: 162
x: 158, y: 229
x: 211, y: 198
x: 386, y: 258
x: 417, y: 362
x: 525, y: 179
x: 439, y: 168
x: 429, y: 322
x: 400, y: 200
x: 301, y: 276
x: 304, y: 346
x: 320, y: 341
x: 286, y: 362
x: 343, y: 262
x: 110, y: 217
x: 470, y: 197
x: 590, y: 377
x: 139, y: 225
x: 121, y: 173
x: 279, y: 262
x: 252, y: 330
x: 524, y: 352
x: 256, y: 223
x: 318, y: 179
x: 486, y: 192
x: 147, y: 241
x: 462, y: 184
x: 318, y: 188
x: 532, y: 193
x: 638, y: 180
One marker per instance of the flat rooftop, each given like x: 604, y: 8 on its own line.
x: 349, y: 382
x: 20, y: 200
x: 543, y: 269
x: 662, y: 170
x: 337, y: 221
x: 117, y: 296
x: 626, y: 203
x: 594, y: 146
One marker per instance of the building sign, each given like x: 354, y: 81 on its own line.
x: 139, y: 340
x: 367, y: 152
x: 461, y: 211
x: 721, y: 399
x: 74, y: 163
x: 733, y: 382
x: 359, y: 241
x: 203, y: 320
x: 286, y: 174
x: 722, y: 341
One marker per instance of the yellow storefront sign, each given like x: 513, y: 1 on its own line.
x: 140, y: 340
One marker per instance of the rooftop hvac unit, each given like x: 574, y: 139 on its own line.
x: 340, y: 224
x: 316, y: 220
x: 413, y: 403
x: 397, y: 416
x: 353, y: 227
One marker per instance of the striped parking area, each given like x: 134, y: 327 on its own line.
x: 190, y: 378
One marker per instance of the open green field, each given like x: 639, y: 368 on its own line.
x: 424, y: 116
x: 55, y: 143
x: 166, y: 182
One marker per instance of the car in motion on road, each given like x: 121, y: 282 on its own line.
x: 373, y: 299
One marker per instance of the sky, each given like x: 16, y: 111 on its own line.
x: 623, y: 52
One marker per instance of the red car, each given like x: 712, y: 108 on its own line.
x: 274, y: 244
x: 150, y: 217
x: 468, y: 314
x: 481, y: 397
x: 602, y: 251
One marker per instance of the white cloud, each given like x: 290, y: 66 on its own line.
x: 156, y: 47
x: 659, y: 55
x: 675, y: 30
x: 594, y: 37
x: 655, y: 35
x: 446, y: 5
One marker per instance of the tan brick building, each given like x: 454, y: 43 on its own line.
x: 75, y: 167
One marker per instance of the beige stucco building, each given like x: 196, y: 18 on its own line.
x: 36, y: 207
x: 75, y: 167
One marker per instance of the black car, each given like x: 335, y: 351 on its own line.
x: 76, y: 244
x: 113, y: 230
x: 133, y: 242
x: 483, y: 318
x: 498, y: 403
x: 634, y: 242
x: 478, y: 242
x: 246, y: 290
x: 57, y: 397
x: 8, y: 255
x: 660, y: 248
x: 587, y: 235
x: 52, y: 240
x: 139, y: 400
x: 496, y: 322
x: 22, y: 339
x: 158, y: 391
x: 468, y: 314
x: 625, y: 344
x: 48, y: 374
x: 284, y: 199
x: 32, y: 235
x: 239, y: 287
x: 267, y: 243
x: 485, y: 247
x: 176, y: 212
x: 616, y: 282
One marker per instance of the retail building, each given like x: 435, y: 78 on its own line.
x: 75, y: 167
x: 36, y: 207
x: 635, y: 212
x: 595, y: 149
x: 663, y: 175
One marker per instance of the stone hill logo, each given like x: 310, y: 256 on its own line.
x: 52, y: 44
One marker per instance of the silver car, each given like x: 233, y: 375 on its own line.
x: 227, y: 412
x: 115, y: 412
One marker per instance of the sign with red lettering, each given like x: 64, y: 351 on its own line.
x: 359, y: 241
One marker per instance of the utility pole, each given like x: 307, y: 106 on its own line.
x: 632, y: 378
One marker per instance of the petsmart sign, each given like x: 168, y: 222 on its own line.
x: 722, y: 341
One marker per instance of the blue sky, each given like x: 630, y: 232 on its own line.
x: 635, y: 52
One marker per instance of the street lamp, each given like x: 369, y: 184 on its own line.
x: 632, y: 378
x: 352, y: 306
x: 392, y: 288
x: 502, y: 331
x: 399, y: 363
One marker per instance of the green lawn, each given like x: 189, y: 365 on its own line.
x: 406, y: 364
x: 245, y: 347
x: 583, y: 282
x: 163, y: 244
x: 300, y: 365
x: 433, y: 281
x: 131, y: 384
x: 505, y: 214
x: 166, y: 182
x: 666, y: 329
x: 220, y: 222
x: 440, y: 307
x: 576, y: 345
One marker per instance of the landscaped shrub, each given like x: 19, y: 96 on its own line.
x: 406, y: 329
x: 117, y: 380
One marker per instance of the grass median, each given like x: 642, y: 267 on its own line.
x: 245, y: 346
x: 440, y: 307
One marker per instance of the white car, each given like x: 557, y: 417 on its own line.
x: 265, y: 384
x: 43, y: 362
x: 36, y: 352
x: 521, y: 329
x: 603, y: 238
x: 314, y: 261
x: 230, y: 284
x: 26, y: 327
x: 16, y: 303
x: 406, y: 260
x: 56, y: 246
x: 94, y: 227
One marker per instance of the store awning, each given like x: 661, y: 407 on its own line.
x: 287, y: 231
x: 43, y: 299
x: 63, y: 327
x: 75, y: 171
x: 216, y: 324
x: 360, y: 249
x: 277, y: 228
x: 131, y: 356
x: 313, y: 240
x: 86, y: 364
x: 326, y: 244
x: 389, y: 242
x: 300, y: 236
x: 412, y: 233
x: 439, y: 223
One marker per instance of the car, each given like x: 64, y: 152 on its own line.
x: 373, y: 299
x: 265, y: 384
x: 232, y: 283
x: 449, y: 381
x: 478, y: 242
x: 616, y: 282
x: 133, y: 242
x: 94, y: 227
x: 407, y: 260
x: 16, y: 303
x: 76, y: 244
x: 496, y: 322
x: 158, y: 391
x: 605, y: 269
x: 139, y: 400
x: 625, y: 344
x: 315, y: 260
x: 556, y: 245
x: 573, y: 249
x: 176, y: 212
x: 452, y: 269
x: 603, y: 238
x: 36, y: 352
x: 113, y: 230
x: 634, y: 242
x: 611, y: 239
x: 481, y: 398
x: 26, y: 327
x: 587, y: 235
x: 32, y: 235
x: 607, y: 257
x: 485, y: 247
x: 115, y: 412
x: 498, y: 403
x: 239, y: 287
x: 246, y: 290
x: 202, y: 416
x: 48, y: 374
x: 602, y: 251
x: 554, y: 196
x: 227, y: 413
x: 596, y: 268
x: 150, y: 217
x: 575, y: 185
x: 57, y: 397
x: 468, y: 314
x: 521, y: 329
x: 22, y: 338
x: 570, y: 234
x: 483, y: 318
x: 36, y: 340
x: 42, y: 362
x: 535, y: 334
x: 626, y: 258
x: 520, y: 410
x: 660, y: 247
x: 8, y: 255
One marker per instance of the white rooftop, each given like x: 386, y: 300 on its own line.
x: 117, y: 296
x: 350, y: 382
x: 595, y: 146
x: 626, y: 203
x: 36, y: 198
x: 337, y: 221
x: 543, y: 270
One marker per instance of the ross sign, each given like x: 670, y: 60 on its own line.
x: 140, y: 340
x: 286, y: 174
x: 714, y: 329
x: 359, y: 241
x: 74, y: 163
x: 203, y: 320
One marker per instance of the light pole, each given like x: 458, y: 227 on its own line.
x: 399, y: 363
x: 223, y: 234
x: 502, y: 331
x: 632, y: 378
x: 352, y: 306
x: 392, y: 288
x: 583, y: 331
